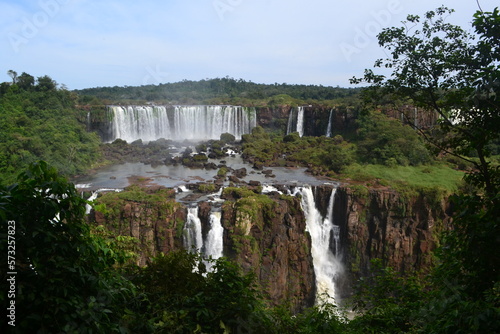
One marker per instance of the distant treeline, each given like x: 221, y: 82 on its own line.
x: 220, y: 89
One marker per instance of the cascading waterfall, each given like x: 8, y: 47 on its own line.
x: 335, y: 228
x: 149, y: 123
x: 192, y: 237
x: 213, y: 246
x: 289, y: 127
x: 139, y: 122
x: 326, y: 264
x: 329, y: 127
x: 300, y: 121
x: 297, y: 122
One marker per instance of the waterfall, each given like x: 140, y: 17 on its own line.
x: 300, y: 121
x: 180, y: 122
x: 214, y: 244
x: 326, y: 264
x: 89, y: 122
x: 192, y: 238
x: 329, y: 127
x: 139, y: 122
x: 289, y: 127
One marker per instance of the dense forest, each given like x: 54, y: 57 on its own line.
x: 39, y: 121
x: 75, y: 277
x: 218, y: 90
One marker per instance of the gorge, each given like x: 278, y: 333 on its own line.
x: 307, y: 239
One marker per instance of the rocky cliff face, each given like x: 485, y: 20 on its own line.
x: 156, y: 224
x: 315, y: 119
x: 267, y: 235
x: 380, y: 223
x: 269, y: 238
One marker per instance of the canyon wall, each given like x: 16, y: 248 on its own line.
x: 400, y: 230
x: 266, y: 233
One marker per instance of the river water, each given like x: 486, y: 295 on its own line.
x: 171, y: 176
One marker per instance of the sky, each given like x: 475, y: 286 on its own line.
x: 83, y: 44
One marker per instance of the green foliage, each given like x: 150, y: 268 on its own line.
x: 180, y: 296
x: 400, y: 177
x: 207, y: 187
x: 222, y: 172
x: 221, y: 90
x: 319, y: 319
x: 282, y: 100
x: 41, y: 122
x: 65, y: 278
x: 338, y: 156
x: 387, y: 141
x: 292, y: 137
x: 387, y: 301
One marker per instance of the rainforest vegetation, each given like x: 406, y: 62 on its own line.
x: 73, y: 277
x: 220, y: 91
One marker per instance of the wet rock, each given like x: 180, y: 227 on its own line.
x: 234, y: 179
x: 240, y: 173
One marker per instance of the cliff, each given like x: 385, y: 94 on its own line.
x: 151, y: 216
x: 381, y: 223
x: 266, y: 233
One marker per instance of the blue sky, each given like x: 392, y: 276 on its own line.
x: 83, y: 43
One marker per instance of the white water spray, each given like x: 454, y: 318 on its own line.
x: 202, y: 122
x: 289, y: 127
x: 326, y: 265
x: 214, y: 242
x: 329, y: 127
x: 139, y: 122
x: 300, y: 121
x: 192, y: 238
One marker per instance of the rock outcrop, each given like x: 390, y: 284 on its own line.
x: 383, y: 224
x: 267, y: 236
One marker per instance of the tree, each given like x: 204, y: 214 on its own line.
x: 440, y: 68
x: 13, y: 75
x: 25, y: 81
x: 46, y: 83
x: 181, y: 296
x: 65, y: 281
